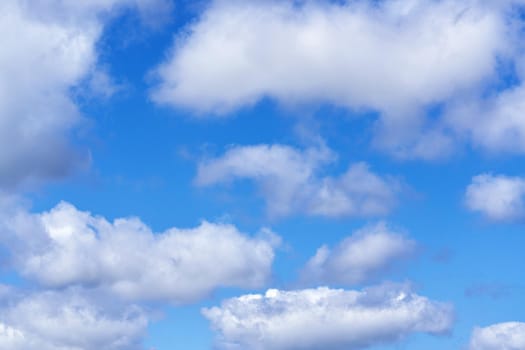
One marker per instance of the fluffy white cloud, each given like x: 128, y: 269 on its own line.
x: 498, y: 197
x: 502, y: 336
x: 326, y: 318
x: 395, y: 57
x: 496, y: 124
x: 69, y: 321
x: 67, y: 247
x: 290, y: 182
x: 241, y: 51
x: 360, y: 257
x: 53, y: 51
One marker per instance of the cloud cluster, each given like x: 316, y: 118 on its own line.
x: 395, y: 57
x: 498, y: 197
x: 67, y: 247
x: 290, y: 181
x: 326, y: 318
x: 398, y: 58
x: 67, y: 321
x: 502, y: 336
x: 359, y: 258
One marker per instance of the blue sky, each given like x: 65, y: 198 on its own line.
x: 262, y: 175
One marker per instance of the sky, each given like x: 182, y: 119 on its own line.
x: 284, y: 175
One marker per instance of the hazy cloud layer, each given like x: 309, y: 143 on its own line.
x: 326, y: 318
x: 290, y: 181
x: 502, y: 336
x: 67, y: 247
x: 498, y: 197
x: 362, y: 257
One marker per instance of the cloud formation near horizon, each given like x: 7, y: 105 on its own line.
x: 68, y: 320
x: 326, y: 318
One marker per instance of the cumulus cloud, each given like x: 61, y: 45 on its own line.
x: 495, y: 124
x: 502, y: 336
x: 53, y: 51
x: 498, y: 197
x: 334, y: 52
x: 290, y: 182
x: 326, y: 318
x: 359, y: 258
x: 67, y: 247
x: 67, y: 321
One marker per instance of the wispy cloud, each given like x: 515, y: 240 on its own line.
x: 362, y: 257
x: 290, y: 181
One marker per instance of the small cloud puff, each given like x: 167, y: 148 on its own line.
x: 501, y: 336
x: 359, y: 258
x: 498, y: 197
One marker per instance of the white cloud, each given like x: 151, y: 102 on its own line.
x: 67, y: 247
x: 395, y: 57
x: 69, y: 321
x: 502, y: 336
x: 53, y: 51
x: 290, y: 182
x: 326, y: 318
x: 241, y: 51
x: 496, y: 124
x: 498, y: 197
x: 359, y: 258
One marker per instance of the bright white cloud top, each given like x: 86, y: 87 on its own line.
x: 498, y: 197
x: 502, y: 336
x: 362, y: 257
x: 326, y: 318
x: 332, y: 52
x: 290, y: 181
x: 67, y: 247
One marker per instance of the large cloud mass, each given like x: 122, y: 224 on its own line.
x: 67, y: 247
x: 326, y: 318
x: 399, y: 58
x: 241, y: 51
